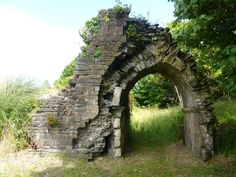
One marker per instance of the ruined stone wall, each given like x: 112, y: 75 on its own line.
x: 91, y: 114
x: 76, y: 106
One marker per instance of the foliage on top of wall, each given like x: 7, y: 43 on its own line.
x: 105, y: 15
x: 120, y: 7
x: 66, y: 75
x: 91, y: 29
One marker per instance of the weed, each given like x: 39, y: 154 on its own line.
x: 97, y: 53
x: 52, y: 121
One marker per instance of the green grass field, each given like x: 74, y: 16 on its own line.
x: 156, y: 151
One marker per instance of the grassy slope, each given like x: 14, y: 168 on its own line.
x: 153, y: 153
x: 226, y: 133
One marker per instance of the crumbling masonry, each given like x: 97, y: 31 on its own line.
x: 91, y: 115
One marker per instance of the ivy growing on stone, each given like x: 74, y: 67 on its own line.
x: 131, y: 32
x: 91, y: 29
x: 105, y: 16
x: 97, y: 53
x: 133, y: 37
x: 84, y: 50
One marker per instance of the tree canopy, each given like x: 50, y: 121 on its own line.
x: 207, y: 29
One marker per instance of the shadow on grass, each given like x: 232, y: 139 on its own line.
x: 151, y: 133
x: 225, y: 112
x: 226, y: 138
x: 143, y: 164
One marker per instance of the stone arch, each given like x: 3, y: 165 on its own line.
x: 91, y: 110
x: 192, y: 86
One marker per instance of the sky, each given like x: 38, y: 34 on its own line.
x: 38, y: 38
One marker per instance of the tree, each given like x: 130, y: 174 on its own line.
x: 154, y: 90
x: 207, y: 29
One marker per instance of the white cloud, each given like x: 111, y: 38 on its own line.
x: 32, y: 48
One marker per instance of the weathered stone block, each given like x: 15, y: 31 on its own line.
x: 118, y: 152
x: 116, y: 96
x: 116, y: 123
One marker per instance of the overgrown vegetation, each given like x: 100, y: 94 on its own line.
x: 66, y: 75
x: 120, y: 7
x: 207, y: 30
x: 17, y: 100
x: 154, y: 90
x: 154, y: 126
x: 91, y: 29
x: 155, y: 152
x: 131, y: 32
x: 97, y: 53
x: 226, y: 132
x: 105, y: 16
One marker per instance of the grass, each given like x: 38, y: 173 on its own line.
x: 17, y: 100
x: 157, y: 152
x: 170, y: 161
x: 226, y: 131
x: 153, y: 126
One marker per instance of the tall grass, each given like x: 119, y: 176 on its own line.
x: 17, y: 100
x: 153, y: 126
x: 225, y: 112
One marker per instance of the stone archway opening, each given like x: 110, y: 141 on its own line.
x: 154, y: 90
x: 155, y: 117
